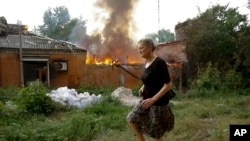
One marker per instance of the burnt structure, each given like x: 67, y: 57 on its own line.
x: 26, y: 57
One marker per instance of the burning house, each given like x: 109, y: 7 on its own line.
x: 107, y: 58
x: 58, y: 63
x: 27, y: 57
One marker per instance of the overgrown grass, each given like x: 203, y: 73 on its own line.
x: 198, y: 117
x: 71, y: 125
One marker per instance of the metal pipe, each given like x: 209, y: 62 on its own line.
x: 114, y: 63
x: 127, y: 71
x: 21, y: 55
x: 48, y: 76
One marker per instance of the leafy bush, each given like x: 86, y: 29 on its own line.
x: 8, y: 94
x: 232, y: 79
x: 208, y: 79
x: 1, y: 108
x: 211, y: 78
x: 33, y: 99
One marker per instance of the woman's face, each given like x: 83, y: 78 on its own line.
x: 145, y: 51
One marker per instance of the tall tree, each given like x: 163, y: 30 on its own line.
x: 163, y: 35
x: 54, y: 20
x: 211, y: 36
x: 58, y: 25
x: 242, y: 55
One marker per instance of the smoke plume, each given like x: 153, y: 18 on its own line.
x: 115, y: 39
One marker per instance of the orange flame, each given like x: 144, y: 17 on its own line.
x: 88, y: 59
x: 106, y: 61
x: 92, y: 59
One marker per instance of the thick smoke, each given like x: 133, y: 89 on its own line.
x: 115, y: 39
x: 78, y: 33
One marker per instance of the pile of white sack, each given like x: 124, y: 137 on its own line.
x: 70, y: 97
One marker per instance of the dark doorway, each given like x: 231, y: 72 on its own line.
x: 35, y: 72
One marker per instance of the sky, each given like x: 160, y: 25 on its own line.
x: 147, y: 15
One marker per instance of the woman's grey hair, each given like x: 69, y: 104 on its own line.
x: 147, y: 42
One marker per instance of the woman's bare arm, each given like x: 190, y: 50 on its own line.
x: 150, y: 101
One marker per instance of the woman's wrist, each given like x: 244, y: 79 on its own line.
x: 154, y: 99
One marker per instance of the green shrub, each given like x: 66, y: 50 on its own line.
x: 8, y: 94
x: 33, y: 99
x: 232, y: 79
x: 1, y: 108
x: 211, y: 79
x: 207, y: 79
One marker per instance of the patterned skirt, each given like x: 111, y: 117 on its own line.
x: 153, y: 121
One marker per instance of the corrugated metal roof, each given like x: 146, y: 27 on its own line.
x: 37, y: 43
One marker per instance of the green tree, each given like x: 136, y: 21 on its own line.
x: 58, y: 25
x: 55, y: 20
x: 242, y: 55
x: 72, y: 31
x: 163, y: 35
x: 212, y: 37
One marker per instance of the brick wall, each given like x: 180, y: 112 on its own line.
x: 72, y: 76
x: 9, y: 70
x: 78, y: 72
x: 111, y: 76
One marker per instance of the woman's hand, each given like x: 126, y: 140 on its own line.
x: 147, y: 102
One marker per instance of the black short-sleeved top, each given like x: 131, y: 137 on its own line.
x: 153, y: 78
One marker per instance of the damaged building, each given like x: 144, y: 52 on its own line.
x: 26, y: 57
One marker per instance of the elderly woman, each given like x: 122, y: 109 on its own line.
x: 152, y: 116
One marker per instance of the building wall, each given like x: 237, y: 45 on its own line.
x: 83, y: 74
x: 179, y: 31
x: 9, y: 70
x: 111, y: 76
x: 78, y: 72
x: 73, y: 75
x: 174, y: 54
